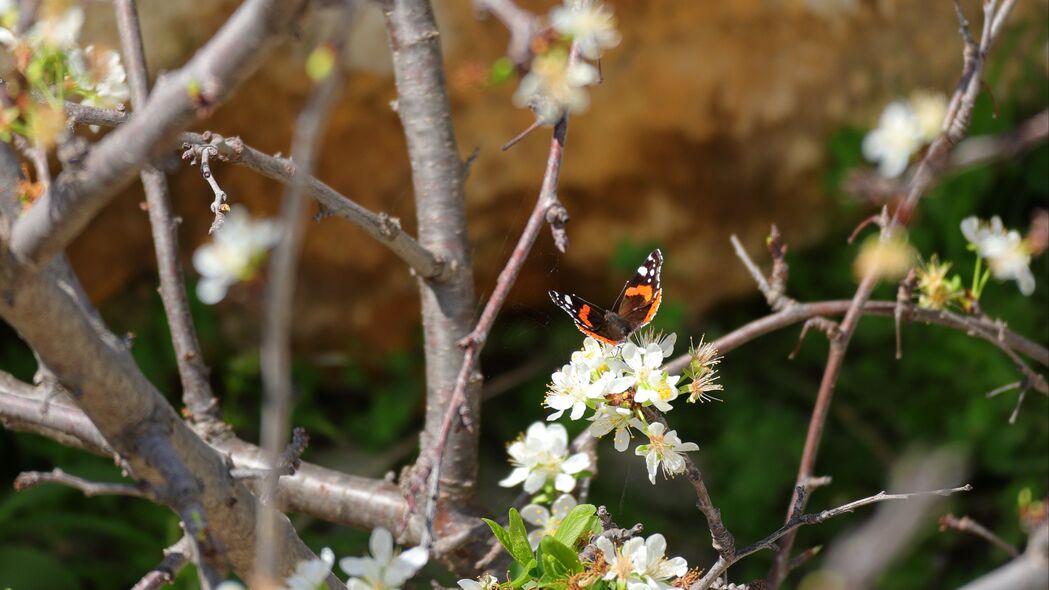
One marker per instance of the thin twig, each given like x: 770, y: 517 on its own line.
x: 521, y: 23
x: 720, y: 537
x: 280, y: 291
x: 799, y: 519
x: 966, y: 524
x: 175, y: 558
x: 29, y: 479
x: 197, y: 395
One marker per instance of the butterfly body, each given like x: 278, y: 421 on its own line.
x: 641, y: 298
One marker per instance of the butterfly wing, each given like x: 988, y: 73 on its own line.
x: 589, y: 318
x: 643, y: 293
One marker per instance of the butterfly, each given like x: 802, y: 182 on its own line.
x: 640, y: 301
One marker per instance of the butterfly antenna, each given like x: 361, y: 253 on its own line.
x: 615, y: 304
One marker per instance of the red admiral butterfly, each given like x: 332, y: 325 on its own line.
x: 640, y: 301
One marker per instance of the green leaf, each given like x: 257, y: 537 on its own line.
x: 501, y: 534
x: 575, y: 524
x: 525, y: 576
x: 519, y: 547
x: 560, y: 554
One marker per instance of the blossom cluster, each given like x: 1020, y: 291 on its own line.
x: 613, y: 383
x: 640, y: 564
x: 904, y: 128
x: 47, y: 67
x: 383, y: 569
x: 1008, y: 256
x: 558, y: 75
x: 1005, y: 253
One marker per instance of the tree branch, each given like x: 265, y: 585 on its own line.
x: 28, y: 479
x: 437, y: 179
x: 956, y: 125
x: 966, y: 524
x: 380, y: 226
x: 1029, y: 571
x: 196, y: 391
x: 175, y: 558
x: 798, y: 519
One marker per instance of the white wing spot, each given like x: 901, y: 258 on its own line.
x: 568, y: 299
x: 641, y: 270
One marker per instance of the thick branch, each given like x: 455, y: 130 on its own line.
x: 196, y: 391
x: 178, y: 100
x: 437, y: 179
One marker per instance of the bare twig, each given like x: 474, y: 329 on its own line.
x: 196, y: 390
x: 280, y: 292
x: 799, y: 519
x: 966, y: 524
x: 521, y: 23
x: 29, y: 479
x: 218, y: 205
x: 175, y: 558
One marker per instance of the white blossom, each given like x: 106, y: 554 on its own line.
x: 235, y: 254
x: 896, y: 138
x: 384, y: 569
x: 663, y: 448
x: 1006, y: 253
x: 59, y: 33
x: 485, y: 582
x: 654, y: 568
x: 651, y: 383
x: 311, y: 574
x: 608, y: 418
x: 597, y: 356
x: 555, y: 87
x: 542, y: 455
x: 589, y: 23
x: 100, y: 73
x: 930, y: 108
x: 547, y: 520
x: 622, y: 561
x: 573, y: 388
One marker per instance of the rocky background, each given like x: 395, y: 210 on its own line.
x: 713, y: 118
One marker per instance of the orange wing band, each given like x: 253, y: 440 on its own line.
x: 655, y: 306
x: 645, y: 291
x: 596, y: 336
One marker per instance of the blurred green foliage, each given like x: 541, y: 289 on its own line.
x: 368, y: 406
